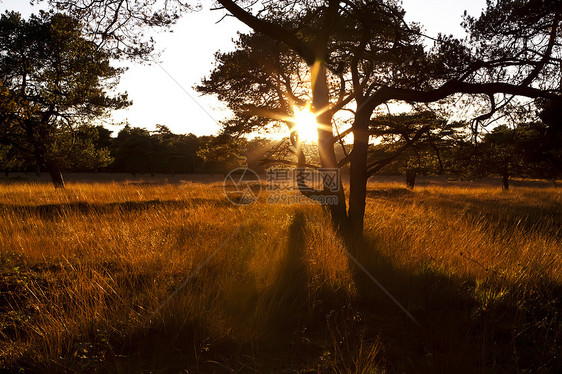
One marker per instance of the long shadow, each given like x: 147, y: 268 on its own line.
x: 53, y: 211
x: 292, y: 275
x: 284, y: 311
x: 432, y: 299
x: 288, y: 292
x: 441, y: 344
x: 448, y: 338
x: 282, y: 314
x: 458, y: 332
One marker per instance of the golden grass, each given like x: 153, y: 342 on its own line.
x: 85, y: 271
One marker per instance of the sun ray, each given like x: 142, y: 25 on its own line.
x: 305, y: 125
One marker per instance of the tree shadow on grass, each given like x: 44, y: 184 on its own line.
x: 172, y: 347
x: 465, y: 326
x: 275, y: 318
x: 413, y: 346
x: 290, y: 285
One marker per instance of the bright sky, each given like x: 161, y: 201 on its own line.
x: 162, y: 93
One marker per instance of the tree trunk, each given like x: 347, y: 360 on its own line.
x: 358, y: 178
x: 6, y: 172
x: 505, y: 181
x: 320, y: 103
x: 38, y: 169
x: 56, y: 175
x: 411, y: 178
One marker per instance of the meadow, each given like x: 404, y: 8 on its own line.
x: 133, y: 276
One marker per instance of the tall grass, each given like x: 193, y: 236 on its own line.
x: 87, y: 274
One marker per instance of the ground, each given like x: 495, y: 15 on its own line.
x: 121, y: 274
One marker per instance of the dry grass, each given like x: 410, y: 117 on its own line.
x: 84, y: 272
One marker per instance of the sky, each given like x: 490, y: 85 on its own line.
x: 162, y: 93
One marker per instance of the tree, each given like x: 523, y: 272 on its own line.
x: 134, y: 151
x: 10, y: 159
x: 499, y: 154
x: 224, y: 153
x: 378, y: 58
x: 412, y: 143
x: 137, y: 150
x: 264, y: 84
x: 513, y: 44
x: 528, y: 149
x: 545, y: 147
x: 175, y: 153
x: 84, y: 148
x: 53, y: 82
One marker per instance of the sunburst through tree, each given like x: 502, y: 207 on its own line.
x: 305, y: 126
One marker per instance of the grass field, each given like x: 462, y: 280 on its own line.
x: 142, y: 277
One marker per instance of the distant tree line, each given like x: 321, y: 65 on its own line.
x: 413, y: 144
x: 137, y: 150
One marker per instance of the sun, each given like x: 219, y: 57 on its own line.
x: 306, y: 125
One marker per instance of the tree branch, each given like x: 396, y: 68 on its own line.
x: 392, y: 93
x: 271, y: 29
x: 376, y: 166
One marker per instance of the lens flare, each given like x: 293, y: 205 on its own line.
x: 306, y: 125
